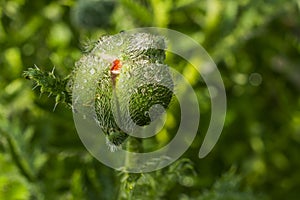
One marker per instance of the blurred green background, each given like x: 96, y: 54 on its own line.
x: 256, y: 46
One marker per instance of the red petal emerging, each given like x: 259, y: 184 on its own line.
x: 115, y: 70
x: 116, y: 66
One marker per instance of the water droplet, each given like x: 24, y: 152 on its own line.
x: 128, y: 75
x: 92, y: 71
x: 158, y: 77
x: 119, y: 40
x: 147, y: 75
x: 152, y: 67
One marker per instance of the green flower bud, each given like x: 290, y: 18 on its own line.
x: 130, y: 80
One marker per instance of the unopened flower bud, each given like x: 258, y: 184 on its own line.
x: 131, y: 78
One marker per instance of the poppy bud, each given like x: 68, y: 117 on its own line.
x: 131, y: 79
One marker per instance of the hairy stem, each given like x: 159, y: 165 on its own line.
x: 133, y: 145
x: 129, y: 179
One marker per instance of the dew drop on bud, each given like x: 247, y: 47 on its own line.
x: 92, y: 71
x: 147, y: 75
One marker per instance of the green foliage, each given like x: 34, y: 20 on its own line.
x: 255, y: 45
x: 157, y: 185
x: 228, y: 187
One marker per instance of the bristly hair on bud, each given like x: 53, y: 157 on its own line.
x: 130, y: 74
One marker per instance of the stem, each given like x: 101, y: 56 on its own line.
x: 128, y: 182
x: 133, y: 144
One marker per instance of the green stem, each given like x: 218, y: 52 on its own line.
x: 127, y: 186
x: 132, y: 145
